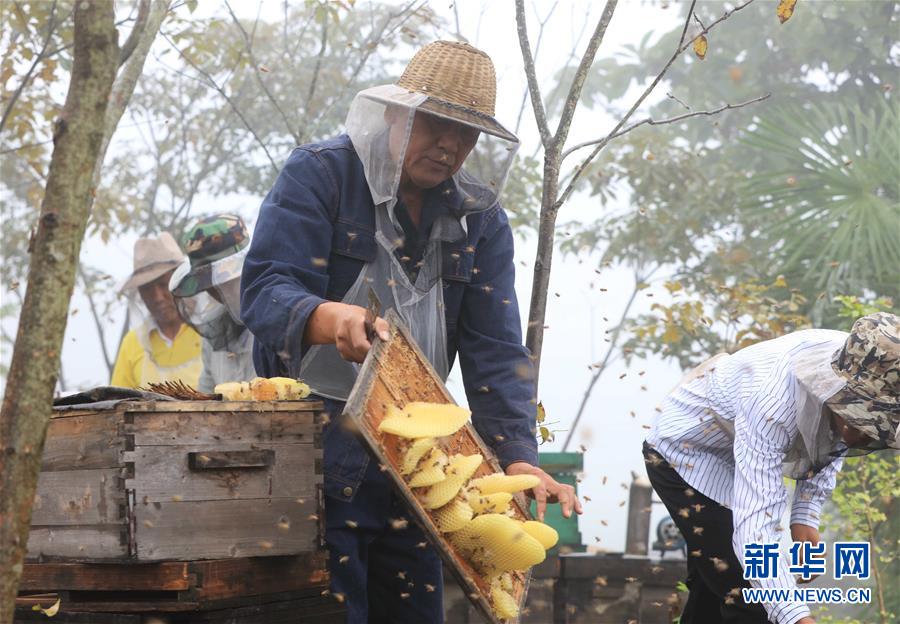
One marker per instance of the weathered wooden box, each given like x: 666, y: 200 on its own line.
x: 166, y: 480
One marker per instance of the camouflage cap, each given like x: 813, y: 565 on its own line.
x: 208, y: 240
x: 870, y: 363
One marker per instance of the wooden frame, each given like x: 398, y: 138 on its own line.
x: 170, y: 586
x: 396, y: 371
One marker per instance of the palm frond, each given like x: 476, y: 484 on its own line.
x: 829, y: 204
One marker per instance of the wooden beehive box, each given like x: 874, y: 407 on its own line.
x: 397, y: 372
x: 167, y: 480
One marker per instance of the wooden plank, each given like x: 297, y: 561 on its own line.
x: 397, y: 372
x: 213, y: 427
x: 311, y: 609
x: 162, y: 473
x: 78, y: 497
x: 589, y: 566
x: 224, y: 406
x: 65, y: 617
x: 77, y: 543
x: 227, y: 578
x: 62, y: 414
x: 219, y: 460
x: 169, y: 576
x: 222, y: 529
x: 95, y: 604
x: 41, y: 600
x: 85, y: 602
x: 83, y: 442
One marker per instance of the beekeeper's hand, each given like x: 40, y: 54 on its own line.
x: 548, y: 491
x: 804, y: 533
x: 344, y: 326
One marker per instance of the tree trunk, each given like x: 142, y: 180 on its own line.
x: 78, y: 136
x: 551, y: 200
x: 540, y: 286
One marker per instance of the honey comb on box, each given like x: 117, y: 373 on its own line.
x: 479, y: 523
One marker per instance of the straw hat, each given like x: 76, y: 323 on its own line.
x: 869, y: 362
x: 460, y: 83
x: 153, y: 257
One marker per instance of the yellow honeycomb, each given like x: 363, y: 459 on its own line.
x: 488, y: 503
x: 424, y: 420
x: 452, y: 516
x: 460, y: 470
x: 544, y: 533
x: 499, y: 482
x: 431, y: 470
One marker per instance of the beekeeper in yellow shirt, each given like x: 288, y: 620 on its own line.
x: 160, y: 347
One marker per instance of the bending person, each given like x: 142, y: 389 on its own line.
x: 794, y: 406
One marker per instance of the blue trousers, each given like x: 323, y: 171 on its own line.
x: 380, y: 561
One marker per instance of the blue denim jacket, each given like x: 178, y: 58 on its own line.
x: 314, y: 233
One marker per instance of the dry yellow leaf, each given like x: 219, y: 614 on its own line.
x: 700, y: 46
x: 49, y: 611
x: 785, y: 10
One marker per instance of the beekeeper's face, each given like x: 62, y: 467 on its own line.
x: 436, y: 149
x: 159, y: 300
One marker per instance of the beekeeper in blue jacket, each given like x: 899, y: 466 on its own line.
x: 388, y: 206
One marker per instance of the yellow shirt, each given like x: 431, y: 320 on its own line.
x: 181, y: 360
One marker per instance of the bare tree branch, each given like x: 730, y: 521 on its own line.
x: 537, y: 50
x: 550, y: 191
x: 135, y: 34
x: 323, y: 46
x: 256, y: 71
x: 98, y: 323
x: 687, y: 22
x: 368, y: 47
x: 537, y: 102
x: 672, y: 96
x: 613, y: 342
x: 681, y: 48
x: 237, y: 111
x: 654, y: 122
x: 576, y: 43
x: 568, y: 112
x: 129, y: 73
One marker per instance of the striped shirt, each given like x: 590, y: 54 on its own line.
x: 755, y: 390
